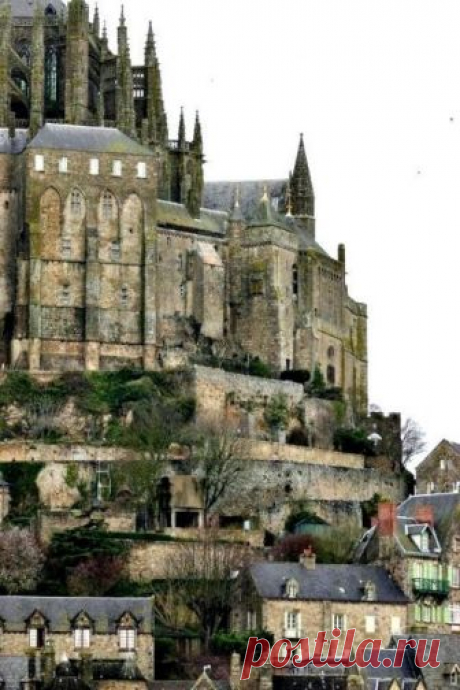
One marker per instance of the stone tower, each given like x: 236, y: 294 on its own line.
x: 77, y: 63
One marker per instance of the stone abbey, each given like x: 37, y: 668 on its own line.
x: 113, y: 251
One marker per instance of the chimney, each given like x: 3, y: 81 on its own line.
x: 424, y: 514
x: 308, y: 559
x: 235, y: 671
x: 387, y: 519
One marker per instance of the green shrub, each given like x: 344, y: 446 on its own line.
x: 276, y: 413
x: 348, y: 440
x: 225, y: 644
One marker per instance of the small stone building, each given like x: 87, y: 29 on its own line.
x: 97, y: 629
x: 439, y: 472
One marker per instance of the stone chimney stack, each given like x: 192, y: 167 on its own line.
x: 308, y: 559
x: 235, y: 671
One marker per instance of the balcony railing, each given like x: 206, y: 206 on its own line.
x: 424, y: 586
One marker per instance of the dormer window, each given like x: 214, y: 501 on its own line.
x: 117, y: 168
x: 127, y: 633
x: 370, y: 591
x: 82, y: 632
x: 37, y: 631
x: 292, y: 589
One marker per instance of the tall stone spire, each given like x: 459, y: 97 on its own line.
x: 181, y: 138
x: 151, y: 80
x: 5, y: 42
x: 96, y: 23
x: 302, y: 194
x: 77, y: 63
x: 126, y: 118
x: 37, y: 95
x: 197, y: 136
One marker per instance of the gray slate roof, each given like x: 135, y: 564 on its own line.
x: 26, y: 8
x: 443, y: 505
x: 90, y: 139
x: 13, y: 670
x: 61, y: 611
x: 16, y: 145
x: 449, y: 648
x: 325, y: 582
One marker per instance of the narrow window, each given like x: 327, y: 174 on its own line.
x: 338, y: 621
x: 107, y: 206
x: 141, y: 170
x: 124, y: 297
x: 115, y: 251
x: 66, y: 247
x: 39, y: 163
x: 370, y: 624
x: 36, y: 638
x: 63, y: 165
x: 94, y: 166
x: 65, y: 295
x: 331, y: 375
x: 182, y: 290
x: 117, y: 169
x: 295, y: 280
x: 76, y: 203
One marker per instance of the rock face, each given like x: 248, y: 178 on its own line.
x: 54, y: 489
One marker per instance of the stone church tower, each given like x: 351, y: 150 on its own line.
x: 113, y: 251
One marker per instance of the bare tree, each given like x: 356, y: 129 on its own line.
x: 413, y: 441
x: 218, y: 462
x: 204, y: 574
x: 21, y: 560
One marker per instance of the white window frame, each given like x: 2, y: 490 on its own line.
x: 338, y: 621
x: 82, y: 638
x: 292, y: 624
x: 39, y: 162
x: 370, y: 623
x: 117, y: 168
x: 396, y: 628
x: 94, y: 166
x: 127, y: 639
x: 142, y: 170
x: 64, y: 165
x: 33, y: 637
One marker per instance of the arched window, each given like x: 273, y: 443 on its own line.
x: 76, y: 203
x: 23, y: 51
x: 50, y: 11
x: 51, y: 75
x: 331, y: 353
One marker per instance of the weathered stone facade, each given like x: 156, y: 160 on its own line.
x: 107, y: 257
x: 440, y: 471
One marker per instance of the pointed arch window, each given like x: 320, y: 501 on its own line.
x: 51, y: 75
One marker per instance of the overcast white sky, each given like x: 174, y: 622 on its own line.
x: 375, y: 87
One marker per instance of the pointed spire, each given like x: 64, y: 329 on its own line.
x: 198, y: 135
x: 96, y: 22
x: 126, y: 116
x: 122, y: 16
x: 150, y: 51
x: 265, y: 212
x: 104, y: 32
x: 236, y: 215
x: 302, y: 194
x: 182, y: 136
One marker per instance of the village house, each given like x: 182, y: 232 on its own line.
x: 419, y: 544
x: 293, y: 600
x: 439, y: 472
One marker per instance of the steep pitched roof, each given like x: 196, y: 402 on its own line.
x: 325, y: 582
x: 90, y: 139
x: 171, y: 214
x: 61, y: 611
x: 26, y: 8
x: 16, y: 145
